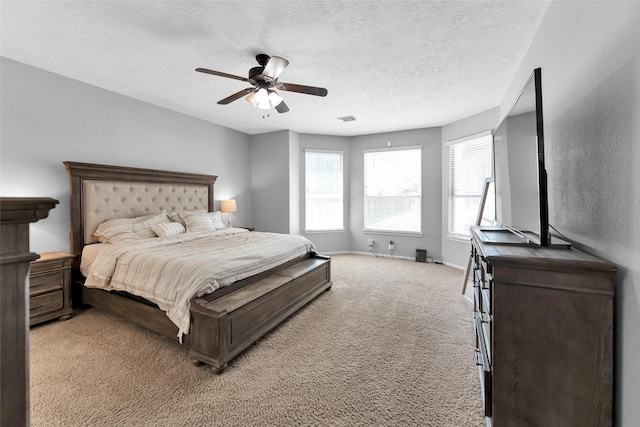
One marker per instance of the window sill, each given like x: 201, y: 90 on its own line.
x: 337, y: 230
x: 393, y: 233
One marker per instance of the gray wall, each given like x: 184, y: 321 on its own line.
x: 589, y: 53
x: 47, y: 119
x: 431, y: 240
x: 270, y: 181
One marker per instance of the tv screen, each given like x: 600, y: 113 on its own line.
x: 519, y: 173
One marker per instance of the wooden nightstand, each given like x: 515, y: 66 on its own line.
x: 49, y: 287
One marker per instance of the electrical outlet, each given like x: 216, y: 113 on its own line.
x: 370, y: 242
x: 391, y: 245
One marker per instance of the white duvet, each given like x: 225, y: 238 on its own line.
x: 171, y: 271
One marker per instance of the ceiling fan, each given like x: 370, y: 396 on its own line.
x: 264, y: 81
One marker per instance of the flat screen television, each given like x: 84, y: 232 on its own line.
x: 519, y: 173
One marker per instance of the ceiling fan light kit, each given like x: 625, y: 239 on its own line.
x: 263, y: 99
x: 264, y: 81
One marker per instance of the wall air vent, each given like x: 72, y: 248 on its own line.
x: 347, y: 119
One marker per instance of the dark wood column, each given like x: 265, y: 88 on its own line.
x: 15, y: 259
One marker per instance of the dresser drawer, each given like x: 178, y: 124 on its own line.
x: 46, y: 282
x: 483, y: 364
x: 46, y: 303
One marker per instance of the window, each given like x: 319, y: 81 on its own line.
x: 323, y: 192
x: 393, y: 190
x: 470, y: 164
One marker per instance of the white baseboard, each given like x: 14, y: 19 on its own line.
x: 389, y: 256
x: 454, y: 265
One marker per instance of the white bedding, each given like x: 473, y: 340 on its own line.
x: 171, y: 271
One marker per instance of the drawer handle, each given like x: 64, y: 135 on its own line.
x: 33, y: 307
x: 482, y: 318
x: 476, y: 353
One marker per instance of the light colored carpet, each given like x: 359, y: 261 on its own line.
x: 391, y: 344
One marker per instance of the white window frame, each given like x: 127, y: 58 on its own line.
x: 306, y: 192
x: 367, y: 229
x: 465, y: 235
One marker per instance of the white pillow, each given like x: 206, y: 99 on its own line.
x: 216, y: 217
x: 143, y: 222
x: 177, y: 216
x: 118, y: 233
x: 168, y: 229
x: 198, y: 222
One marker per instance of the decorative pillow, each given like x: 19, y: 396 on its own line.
x: 144, y: 221
x: 118, y: 233
x: 168, y: 229
x: 216, y: 217
x: 177, y: 216
x: 198, y: 222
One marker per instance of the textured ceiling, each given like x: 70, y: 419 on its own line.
x: 393, y: 65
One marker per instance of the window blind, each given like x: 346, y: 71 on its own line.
x: 470, y: 164
x: 323, y: 192
x: 393, y: 190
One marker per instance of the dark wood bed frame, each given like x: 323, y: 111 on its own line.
x: 223, y: 323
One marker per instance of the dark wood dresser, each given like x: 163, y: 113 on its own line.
x: 49, y: 287
x: 543, y: 321
x: 16, y: 214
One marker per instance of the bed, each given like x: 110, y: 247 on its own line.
x: 223, y: 320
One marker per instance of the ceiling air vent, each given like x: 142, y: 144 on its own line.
x: 347, y: 119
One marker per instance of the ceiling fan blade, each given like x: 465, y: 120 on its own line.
x: 218, y: 73
x: 274, y: 67
x: 309, y: 90
x: 282, y: 107
x: 235, y: 96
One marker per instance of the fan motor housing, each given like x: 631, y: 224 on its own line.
x: 254, y: 72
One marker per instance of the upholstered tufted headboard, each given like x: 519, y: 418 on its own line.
x: 101, y: 192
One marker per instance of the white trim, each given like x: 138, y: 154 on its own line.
x: 379, y: 255
x: 333, y: 230
x: 375, y: 150
x: 456, y: 266
x: 393, y: 233
x: 318, y: 150
x: 469, y: 137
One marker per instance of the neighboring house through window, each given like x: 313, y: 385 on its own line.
x: 393, y: 190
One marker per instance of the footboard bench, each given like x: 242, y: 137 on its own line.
x: 234, y: 322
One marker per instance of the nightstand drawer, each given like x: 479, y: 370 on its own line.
x: 46, y: 303
x: 47, y: 262
x: 46, y: 282
x: 49, y: 287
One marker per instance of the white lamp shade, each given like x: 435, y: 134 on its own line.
x: 228, y: 206
x: 274, y: 98
x: 264, y: 99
